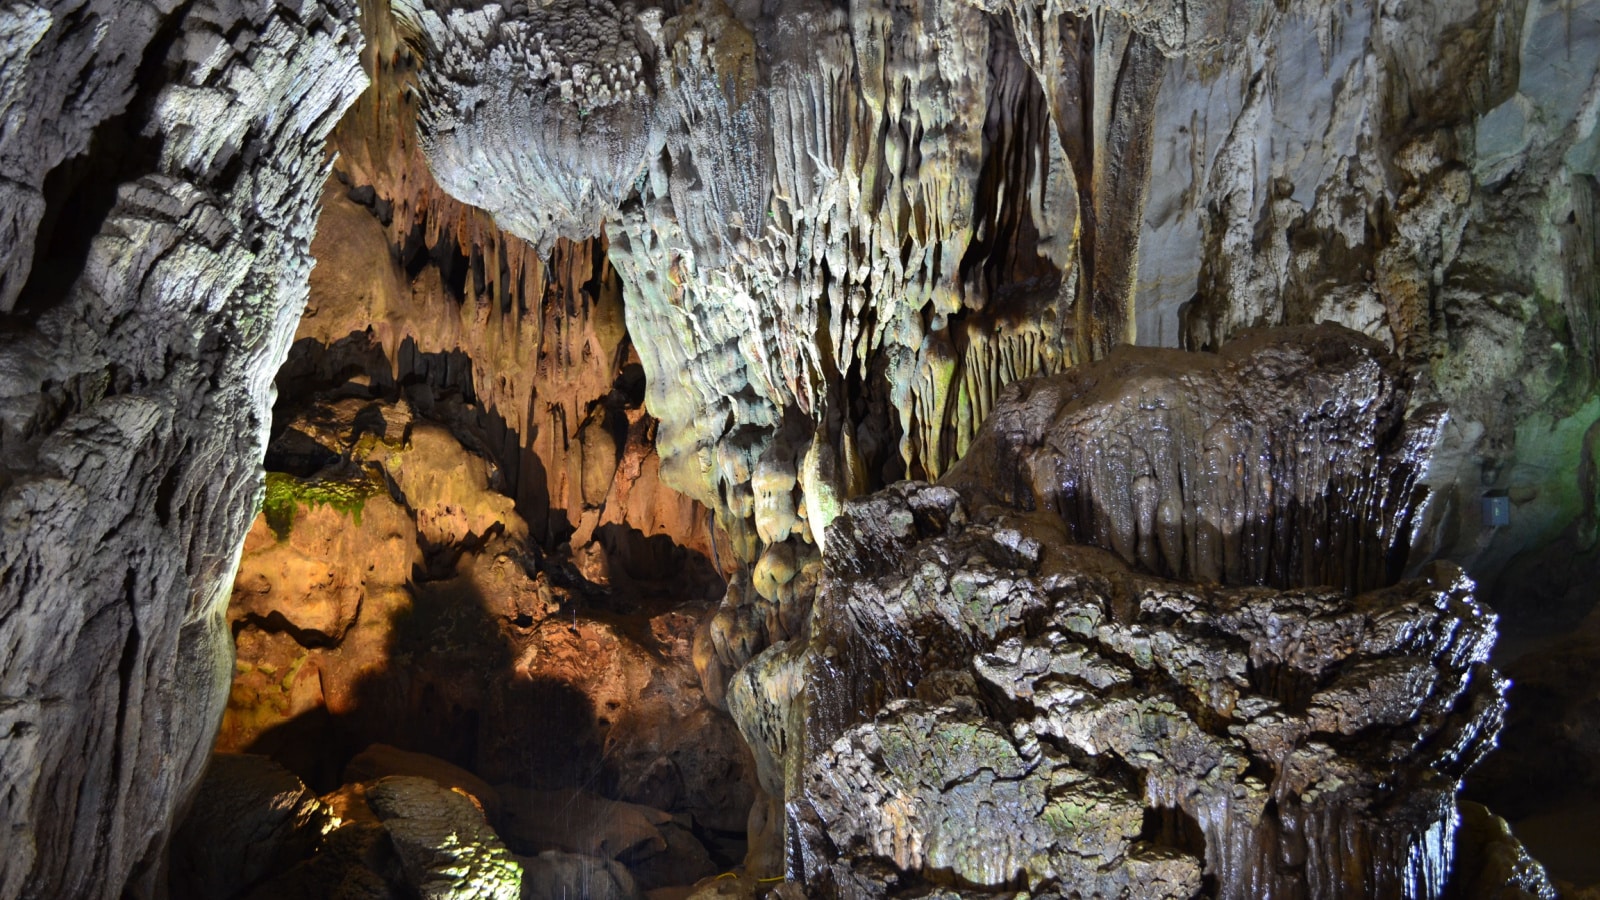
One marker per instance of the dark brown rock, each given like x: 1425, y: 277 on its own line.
x: 251, y: 819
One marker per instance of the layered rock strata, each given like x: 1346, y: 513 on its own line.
x: 161, y: 166
x: 985, y: 702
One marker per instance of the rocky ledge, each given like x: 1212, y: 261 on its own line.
x: 983, y: 703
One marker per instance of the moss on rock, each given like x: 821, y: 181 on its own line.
x: 285, y: 493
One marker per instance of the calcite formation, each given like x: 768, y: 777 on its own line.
x: 150, y: 288
x: 1288, y: 458
x: 767, y: 176
x: 844, y: 228
x: 986, y: 700
x: 777, y: 255
x: 416, y: 286
x: 1422, y: 172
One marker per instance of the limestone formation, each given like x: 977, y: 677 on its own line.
x: 984, y: 697
x: 1290, y: 458
x: 160, y: 170
x: 845, y: 228
x: 771, y: 176
x: 1421, y: 172
x: 388, y: 593
x: 251, y: 820
x: 595, y: 273
x: 446, y: 849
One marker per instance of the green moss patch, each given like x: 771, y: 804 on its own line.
x: 286, y: 493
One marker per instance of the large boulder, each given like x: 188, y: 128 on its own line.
x: 251, y: 819
x: 446, y: 849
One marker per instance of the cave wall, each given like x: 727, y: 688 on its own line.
x: 831, y: 270
x: 419, y: 286
x: 833, y: 234
x: 162, y: 166
x: 1424, y: 173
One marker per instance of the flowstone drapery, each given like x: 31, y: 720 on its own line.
x: 986, y: 701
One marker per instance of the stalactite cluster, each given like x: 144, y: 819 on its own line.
x: 985, y: 699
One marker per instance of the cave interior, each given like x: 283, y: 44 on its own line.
x: 670, y: 449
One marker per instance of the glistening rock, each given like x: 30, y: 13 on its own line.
x: 982, y: 698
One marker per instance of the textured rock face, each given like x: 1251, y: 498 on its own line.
x: 251, y: 819
x: 1289, y: 458
x: 842, y: 229
x: 416, y: 286
x: 446, y: 849
x: 255, y: 831
x: 391, y: 595
x: 160, y: 172
x: 1424, y: 173
x: 770, y: 176
x: 983, y: 698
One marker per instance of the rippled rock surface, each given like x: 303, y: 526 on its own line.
x: 159, y: 174
x: 1287, y: 458
x: 985, y: 702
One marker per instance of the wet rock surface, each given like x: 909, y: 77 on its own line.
x: 984, y: 701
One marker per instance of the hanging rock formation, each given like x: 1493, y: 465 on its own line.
x: 986, y: 701
x: 160, y: 170
x: 841, y: 230
x: 776, y: 255
x: 837, y: 265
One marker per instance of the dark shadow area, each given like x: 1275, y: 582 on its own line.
x: 498, y: 656
x: 436, y: 384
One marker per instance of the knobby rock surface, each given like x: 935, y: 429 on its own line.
x: 984, y: 699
